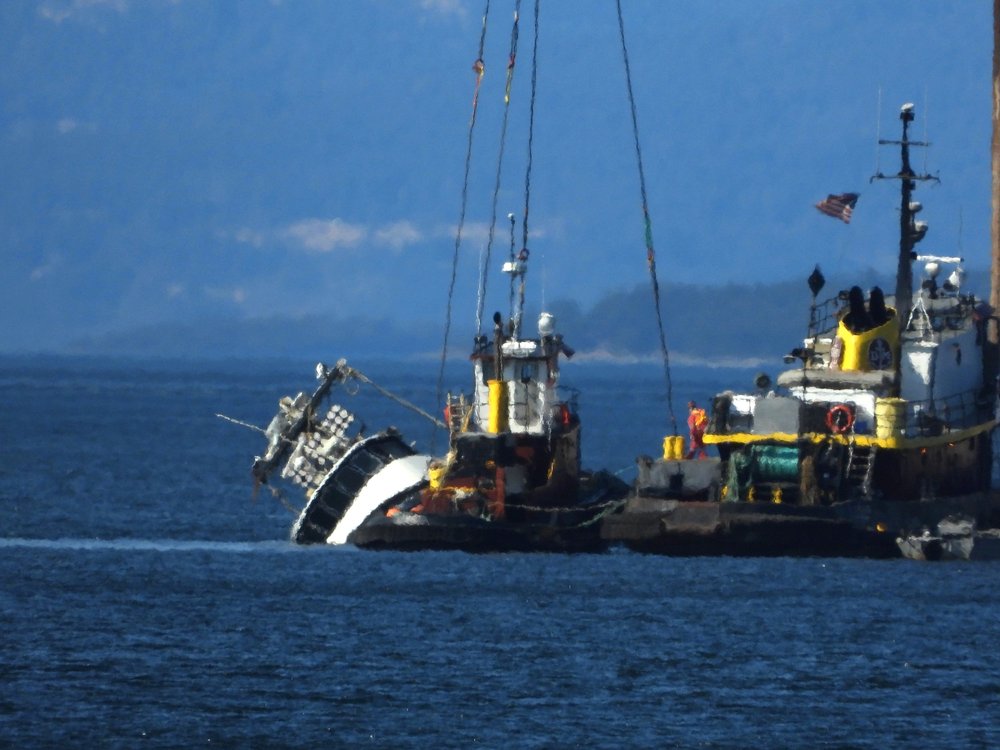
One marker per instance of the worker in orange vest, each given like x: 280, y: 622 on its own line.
x: 697, y: 422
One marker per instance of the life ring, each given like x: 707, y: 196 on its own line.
x: 840, y: 418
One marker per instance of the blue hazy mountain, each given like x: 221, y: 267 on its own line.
x: 182, y: 170
x: 727, y: 325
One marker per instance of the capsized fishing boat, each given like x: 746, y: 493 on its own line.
x: 884, y: 425
x: 345, y: 474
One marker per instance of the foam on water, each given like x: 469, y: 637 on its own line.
x: 147, y: 545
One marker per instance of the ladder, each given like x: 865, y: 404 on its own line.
x: 459, y: 413
x: 860, y: 464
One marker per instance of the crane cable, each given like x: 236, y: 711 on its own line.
x: 511, y: 60
x: 479, y: 69
x: 650, y: 252
x: 527, y: 174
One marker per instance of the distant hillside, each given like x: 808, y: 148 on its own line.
x: 732, y: 322
x: 724, y: 322
x: 313, y: 336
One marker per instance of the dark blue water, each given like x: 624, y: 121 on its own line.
x: 148, y: 599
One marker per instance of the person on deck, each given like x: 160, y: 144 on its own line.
x: 697, y: 422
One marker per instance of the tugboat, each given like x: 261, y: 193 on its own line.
x: 511, y: 479
x: 884, y: 426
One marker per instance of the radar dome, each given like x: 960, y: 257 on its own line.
x: 546, y: 324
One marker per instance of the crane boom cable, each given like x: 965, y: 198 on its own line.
x: 527, y: 172
x: 647, y: 224
x: 479, y: 69
x: 511, y: 60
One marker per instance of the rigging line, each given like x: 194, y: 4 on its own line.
x: 961, y: 252
x: 527, y: 172
x: 924, y: 121
x: 241, y: 423
x: 479, y: 69
x: 544, y: 278
x: 482, y: 284
x: 878, y: 129
x: 479, y: 66
x: 650, y: 252
x: 512, y: 58
x: 278, y: 495
x: 253, y: 427
x: 398, y: 399
x: 510, y: 218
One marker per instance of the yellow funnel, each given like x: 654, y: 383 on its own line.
x: 874, y: 349
x: 497, y: 422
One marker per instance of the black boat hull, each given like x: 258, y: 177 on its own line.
x: 331, y: 500
x: 415, y: 532
x: 850, y: 529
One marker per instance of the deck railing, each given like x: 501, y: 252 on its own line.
x: 933, y: 417
x: 824, y: 316
x: 913, y: 419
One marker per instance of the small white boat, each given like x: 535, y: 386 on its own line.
x: 954, y: 540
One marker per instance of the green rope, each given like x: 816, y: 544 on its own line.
x: 650, y: 252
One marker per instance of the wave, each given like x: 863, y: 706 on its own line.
x: 152, y: 545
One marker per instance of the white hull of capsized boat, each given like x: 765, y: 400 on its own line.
x: 394, y: 479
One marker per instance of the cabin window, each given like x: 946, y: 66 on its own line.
x: 489, y: 370
x: 521, y: 371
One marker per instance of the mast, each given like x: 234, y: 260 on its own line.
x: 994, y: 334
x: 904, y: 269
x: 911, y: 231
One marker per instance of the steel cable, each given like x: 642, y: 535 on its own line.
x: 527, y: 172
x: 511, y: 60
x: 479, y: 69
x: 648, y: 226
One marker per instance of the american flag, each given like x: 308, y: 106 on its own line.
x: 839, y: 206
